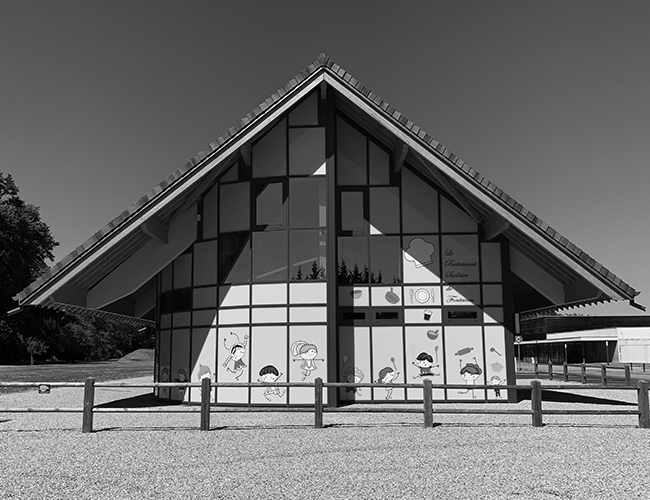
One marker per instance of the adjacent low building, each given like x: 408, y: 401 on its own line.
x: 585, y: 339
x: 326, y: 235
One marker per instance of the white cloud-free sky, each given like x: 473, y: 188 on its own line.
x: 100, y: 101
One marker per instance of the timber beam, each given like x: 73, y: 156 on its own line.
x: 398, y: 156
x: 493, y: 226
x: 154, y: 228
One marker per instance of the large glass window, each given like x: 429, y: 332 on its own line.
x: 308, y: 202
x: 183, y: 271
x: 205, y: 263
x: 306, y: 113
x: 307, y: 255
x: 270, y: 153
x: 270, y: 206
x: 270, y: 256
x: 384, y: 210
x: 210, y: 213
x: 353, y: 212
x: 353, y: 260
x: 307, y: 151
x: 385, y: 258
x: 234, y: 207
x: 235, y: 258
x: 351, y: 161
x: 419, y: 204
x: 379, y: 165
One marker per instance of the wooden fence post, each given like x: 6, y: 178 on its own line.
x: 428, y: 403
x: 550, y: 370
x: 565, y: 368
x: 628, y: 378
x: 583, y: 373
x: 206, y: 394
x: 318, y: 403
x: 644, y: 404
x: 536, y: 367
x: 536, y: 402
x: 89, y: 403
x: 603, y: 374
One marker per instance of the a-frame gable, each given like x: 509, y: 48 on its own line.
x: 149, y: 221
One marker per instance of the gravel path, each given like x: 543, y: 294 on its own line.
x: 281, y: 455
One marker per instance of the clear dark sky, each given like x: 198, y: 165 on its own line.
x: 100, y: 101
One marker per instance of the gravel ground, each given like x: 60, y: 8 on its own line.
x: 281, y: 455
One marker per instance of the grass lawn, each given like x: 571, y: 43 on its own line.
x: 74, y: 372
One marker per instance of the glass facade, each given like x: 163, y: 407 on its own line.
x: 418, y: 293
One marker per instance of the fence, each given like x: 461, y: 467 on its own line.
x: 582, y: 377
x: 427, y: 409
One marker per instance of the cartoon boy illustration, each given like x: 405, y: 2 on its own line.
x: 386, y: 376
x: 306, y: 352
x: 424, y: 362
x: 353, y: 376
x: 496, y: 382
x: 470, y: 372
x: 268, y: 375
x: 237, y: 351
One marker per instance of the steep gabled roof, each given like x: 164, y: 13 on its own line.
x: 487, y: 204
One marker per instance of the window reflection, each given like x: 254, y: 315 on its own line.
x: 234, y: 207
x: 307, y: 202
x: 352, y: 212
x: 379, y: 162
x: 351, y: 161
x: 270, y: 256
x: 385, y: 259
x: 384, y: 210
x: 234, y: 257
x: 307, y: 151
x: 270, y: 153
x: 353, y: 260
x: 270, y: 209
x: 307, y: 254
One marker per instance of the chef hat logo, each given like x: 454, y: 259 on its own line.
x: 420, y: 252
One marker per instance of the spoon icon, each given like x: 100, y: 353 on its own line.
x: 492, y: 349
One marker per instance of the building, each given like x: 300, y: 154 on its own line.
x: 326, y: 235
x: 585, y: 339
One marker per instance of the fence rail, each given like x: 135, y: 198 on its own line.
x: 603, y: 368
x: 428, y: 409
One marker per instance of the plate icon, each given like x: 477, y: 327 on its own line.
x: 422, y: 295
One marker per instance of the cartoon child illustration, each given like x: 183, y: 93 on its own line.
x: 164, y: 377
x: 237, y: 351
x: 386, y: 376
x: 496, y: 382
x: 353, y: 376
x: 306, y: 352
x: 424, y: 362
x: 181, y: 376
x: 268, y: 375
x: 204, y: 372
x: 470, y: 372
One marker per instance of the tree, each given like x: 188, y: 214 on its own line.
x: 33, y: 345
x: 25, y: 245
x: 25, y: 242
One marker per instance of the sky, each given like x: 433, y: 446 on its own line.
x: 102, y: 100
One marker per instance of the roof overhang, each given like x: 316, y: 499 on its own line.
x: 584, y: 280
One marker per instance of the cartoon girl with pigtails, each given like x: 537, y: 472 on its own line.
x: 306, y: 352
x: 386, y: 376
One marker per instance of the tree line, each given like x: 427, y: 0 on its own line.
x: 26, y: 243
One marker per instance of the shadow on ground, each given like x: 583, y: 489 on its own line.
x: 567, y: 397
x: 141, y: 401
